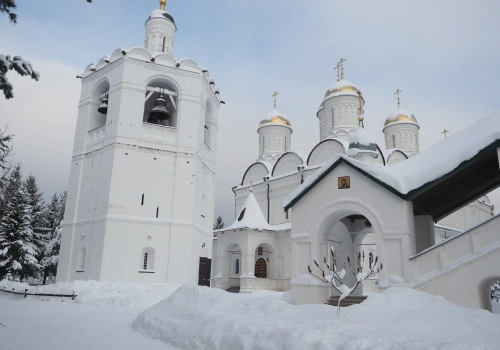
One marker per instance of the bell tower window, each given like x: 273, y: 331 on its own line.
x: 161, y: 103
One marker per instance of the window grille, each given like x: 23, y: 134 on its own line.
x: 145, y: 266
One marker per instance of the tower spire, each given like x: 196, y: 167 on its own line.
x: 163, y: 4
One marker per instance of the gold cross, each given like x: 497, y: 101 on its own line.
x: 274, y: 96
x: 445, y: 132
x: 163, y: 4
x: 397, y: 93
x: 341, y: 64
x: 338, y: 71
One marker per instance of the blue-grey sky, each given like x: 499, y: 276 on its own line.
x: 444, y: 55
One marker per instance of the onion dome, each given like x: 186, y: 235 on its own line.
x: 162, y: 14
x: 342, y: 87
x: 275, y: 118
x: 361, y: 140
x: 400, y: 116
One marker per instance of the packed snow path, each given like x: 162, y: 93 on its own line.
x: 56, y: 325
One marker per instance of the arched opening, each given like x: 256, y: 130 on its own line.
x: 99, y: 106
x: 264, y: 261
x: 260, y: 268
x: 81, y: 259
x: 147, y: 262
x: 207, y: 131
x: 349, y: 233
x: 231, y: 268
x: 161, y: 103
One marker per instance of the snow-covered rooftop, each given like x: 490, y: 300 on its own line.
x: 250, y: 216
x: 361, y: 137
x: 430, y: 165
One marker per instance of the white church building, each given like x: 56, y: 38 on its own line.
x: 350, y: 194
x: 141, y: 190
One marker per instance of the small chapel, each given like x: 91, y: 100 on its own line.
x: 351, y: 194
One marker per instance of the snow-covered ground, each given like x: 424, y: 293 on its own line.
x: 133, y: 316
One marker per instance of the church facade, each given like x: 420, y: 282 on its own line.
x: 141, y: 189
x: 268, y: 247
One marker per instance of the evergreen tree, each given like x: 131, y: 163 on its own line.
x: 41, y: 234
x: 219, y: 223
x: 18, y: 254
x: 53, y: 217
x: 6, y: 6
x: 5, y: 153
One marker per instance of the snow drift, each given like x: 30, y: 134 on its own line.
x: 204, y: 318
x: 101, y: 293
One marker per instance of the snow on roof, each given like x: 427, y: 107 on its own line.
x: 430, y: 165
x: 343, y: 83
x: 361, y: 137
x: 250, y: 216
x: 275, y: 117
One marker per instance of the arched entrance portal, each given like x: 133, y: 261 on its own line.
x: 231, y: 268
x: 349, y: 235
x: 261, y: 268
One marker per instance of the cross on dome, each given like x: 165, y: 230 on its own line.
x: 445, y: 132
x: 340, y: 69
x: 274, y: 96
x: 397, y: 93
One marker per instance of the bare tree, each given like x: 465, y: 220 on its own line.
x: 335, y: 278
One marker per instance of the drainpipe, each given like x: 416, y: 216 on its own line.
x: 266, y: 180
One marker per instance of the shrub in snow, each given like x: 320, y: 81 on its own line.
x: 335, y: 277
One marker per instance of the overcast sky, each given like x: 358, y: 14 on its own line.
x: 444, y: 55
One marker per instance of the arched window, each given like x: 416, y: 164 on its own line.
x: 81, y: 259
x: 161, y: 102
x: 237, y: 267
x: 261, y: 268
x: 148, y: 259
x: 370, y: 260
x: 164, y: 44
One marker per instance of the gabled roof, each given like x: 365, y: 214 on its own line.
x: 450, y: 164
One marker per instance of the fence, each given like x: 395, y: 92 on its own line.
x: 25, y: 294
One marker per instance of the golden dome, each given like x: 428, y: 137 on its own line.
x: 275, y: 118
x: 343, y: 86
x: 400, y: 116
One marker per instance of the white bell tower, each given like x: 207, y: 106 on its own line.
x: 141, y: 190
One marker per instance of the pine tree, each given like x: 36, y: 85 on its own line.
x: 18, y: 254
x: 6, y: 6
x: 41, y: 234
x: 53, y: 216
x: 5, y: 153
x: 219, y: 223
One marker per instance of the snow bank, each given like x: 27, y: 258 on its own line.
x: 204, y: 318
x: 102, y: 293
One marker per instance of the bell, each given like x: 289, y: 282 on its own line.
x: 159, y: 111
x: 103, y: 108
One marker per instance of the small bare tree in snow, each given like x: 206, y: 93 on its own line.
x: 335, y: 277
